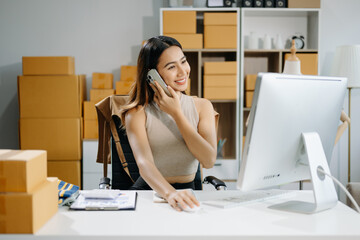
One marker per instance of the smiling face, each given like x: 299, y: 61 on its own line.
x: 174, y: 68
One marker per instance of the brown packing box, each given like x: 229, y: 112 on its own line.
x: 64, y: 65
x: 68, y: 171
x: 128, y: 73
x: 123, y: 87
x: 21, y: 171
x: 220, y: 19
x: 220, y: 81
x: 250, y: 82
x: 102, y: 80
x: 220, y: 93
x: 90, y: 110
x: 189, y: 41
x: 28, y: 212
x: 179, y: 22
x: 308, y: 62
x: 304, y: 3
x: 61, y: 138
x: 220, y: 37
x: 96, y: 95
x: 51, y: 96
x: 221, y: 68
x: 91, y: 130
x: 248, y: 98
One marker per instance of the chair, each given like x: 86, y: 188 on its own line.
x: 123, y: 164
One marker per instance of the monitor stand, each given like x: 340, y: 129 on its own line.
x: 323, y: 187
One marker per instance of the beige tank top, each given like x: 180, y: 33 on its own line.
x: 171, y: 155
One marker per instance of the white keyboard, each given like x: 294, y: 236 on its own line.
x: 236, y: 199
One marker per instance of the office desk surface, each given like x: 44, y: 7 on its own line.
x: 159, y: 221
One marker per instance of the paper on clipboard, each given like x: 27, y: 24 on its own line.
x: 120, y: 200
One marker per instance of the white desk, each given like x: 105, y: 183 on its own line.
x: 159, y: 221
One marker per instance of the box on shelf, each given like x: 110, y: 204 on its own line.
x: 91, y: 130
x: 60, y: 137
x: 304, y: 3
x: 179, y: 22
x: 52, y: 65
x: 221, y: 68
x: 22, y: 171
x: 220, y: 18
x: 220, y: 37
x: 128, y: 73
x: 250, y: 82
x: 96, y: 95
x: 51, y: 96
x: 220, y: 81
x: 220, y: 93
x: 123, y: 87
x: 90, y: 110
x: 308, y: 62
x: 102, y: 80
x: 28, y: 212
x: 68, y: 171
x: 189, y: 41
x: 248, y: 98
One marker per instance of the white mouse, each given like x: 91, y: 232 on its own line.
x: 188, y: 209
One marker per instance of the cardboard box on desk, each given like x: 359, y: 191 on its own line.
x: 51, y: 96
x: 102, y: 80
x: 96, y: 95
x: 179, y: 22
x: 91, y: 129
x: 42, y: 65
x: 68, y: 171
x: 61, y: 138
x: 188, y: 41
x: 27, y: 212
x: 128, y: 73
x: 220, y: 30
x: 22, y: 171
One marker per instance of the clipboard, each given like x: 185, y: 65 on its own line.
x: 105, y: 200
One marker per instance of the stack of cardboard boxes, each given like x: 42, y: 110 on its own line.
x: 220, y: 30
x: 127, y: 79
x: 102, y: 87
x: 250, y: 82
x: 220, y: 80
x: 28, y: 199
x: 181, y: 25
x: 50, y: 103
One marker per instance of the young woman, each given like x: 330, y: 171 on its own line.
x: 169, y: 136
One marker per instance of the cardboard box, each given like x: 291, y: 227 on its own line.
x: 51, y: 96
x: 91, y: 129
x: 220, y: 68
x: 220, y: 19
x: 61, y: 138
x: 179, y: 22
x: 250, y: 82
x: 22, y: 171
x: 123, y: 87
x: 90, y: 110
x: 96, y: 95
x: 128, y: 73
x: 308, y: 62
x: 220, y: 81
x: 189, y: 41
x: 102, y: 80
x: 220, y: 93
x: 248, y: 98
x: 303, y: 3
x: 220, y: 37
x: 68, y: 171
x: 48, y: 65
x: 28, y: 212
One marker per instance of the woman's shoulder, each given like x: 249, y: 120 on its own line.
x: 135, y: 113
x: 203, y: 104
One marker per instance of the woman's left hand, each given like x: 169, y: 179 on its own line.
x: 170, y: 105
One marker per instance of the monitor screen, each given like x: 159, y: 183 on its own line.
x: 284, y: 107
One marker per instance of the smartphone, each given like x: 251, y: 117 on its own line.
x: 154, y: 76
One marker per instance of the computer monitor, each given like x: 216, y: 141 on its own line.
x: 291, y: 133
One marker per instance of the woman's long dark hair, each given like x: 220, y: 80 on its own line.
x: 141, y: 93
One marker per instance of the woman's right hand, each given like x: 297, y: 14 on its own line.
x: 182, y: 199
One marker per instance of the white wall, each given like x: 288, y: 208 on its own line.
x: 102, y: 35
